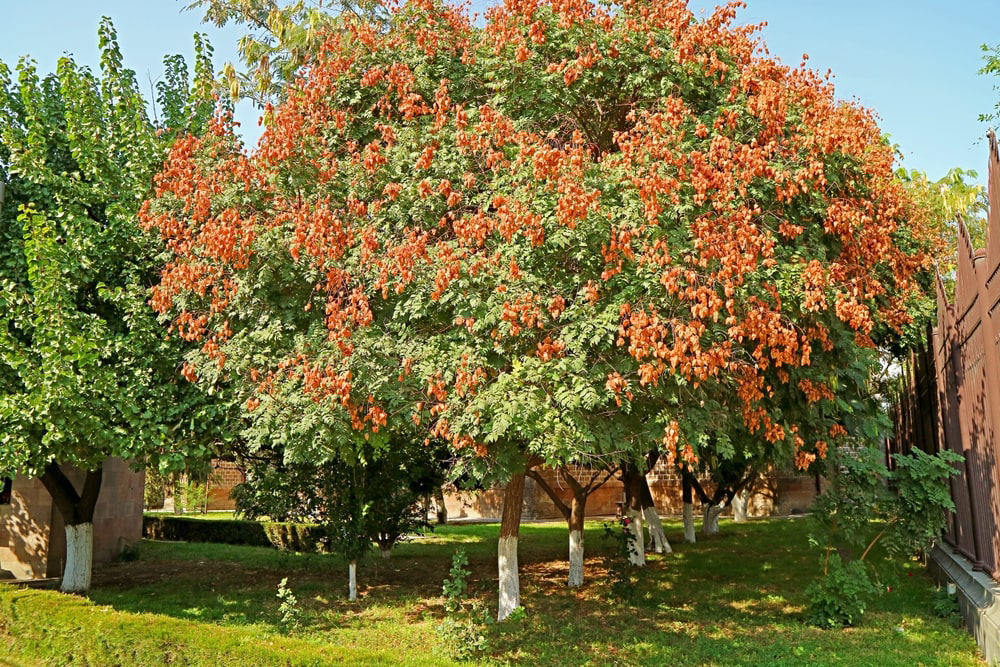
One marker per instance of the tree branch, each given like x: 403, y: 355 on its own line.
x: 557, y: 501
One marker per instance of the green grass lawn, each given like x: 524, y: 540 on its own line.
x: 737, y: 599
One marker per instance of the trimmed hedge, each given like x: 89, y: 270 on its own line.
x: 303, y: 537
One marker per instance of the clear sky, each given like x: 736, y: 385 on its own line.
x: 913, y: 61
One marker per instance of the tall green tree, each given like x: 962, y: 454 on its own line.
x: 85, y: 369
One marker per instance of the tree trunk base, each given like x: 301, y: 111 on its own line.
x: 510, y: 588
x: 710, y: 523
x: 689, y: 535
x: 79, y: 558
x: 740, y: 502
x: 656, y: 534
x: 637, y: 555
x: 575, y: 558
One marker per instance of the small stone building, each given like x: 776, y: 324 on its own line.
x: 225, y: 475
x: 32, y: 533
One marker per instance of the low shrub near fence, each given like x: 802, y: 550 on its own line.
x: 303, y: 537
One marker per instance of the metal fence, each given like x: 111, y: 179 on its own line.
x: 950, y: 390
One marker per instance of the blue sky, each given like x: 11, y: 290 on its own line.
x: 913, y: 61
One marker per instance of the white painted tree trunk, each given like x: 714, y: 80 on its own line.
x: 740, y: 502
x: 689, y: 523
x: 575, y: 558
x: 79, y: 558
x: 352, y: 581
x: 710, y: 524
x: 510, y: 587
x: 385, y: 553
x: 656, y: 534
x: 638, y: 554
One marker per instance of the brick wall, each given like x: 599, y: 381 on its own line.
x: 225, y: 475
x: 774, y: 494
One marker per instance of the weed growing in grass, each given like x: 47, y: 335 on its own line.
x: 455, y: 585
x: 621, y: 572
x: 463, y: 631
x: 290, y: 613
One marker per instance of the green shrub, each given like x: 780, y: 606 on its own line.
x: 840, y: 598
x: 867, y: 506
x: 192, y: 498
x: 946, y: 606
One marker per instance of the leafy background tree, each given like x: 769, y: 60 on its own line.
x: 280, y: 41
x: 85, y: 371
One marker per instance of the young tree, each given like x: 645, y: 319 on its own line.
x: 84, y: 371
x: 955, y: 195
x: 372, y: 500
x: 577, y: 232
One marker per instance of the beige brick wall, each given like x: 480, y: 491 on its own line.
x: 24, y: 530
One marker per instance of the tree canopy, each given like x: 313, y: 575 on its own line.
x: 581, y: 230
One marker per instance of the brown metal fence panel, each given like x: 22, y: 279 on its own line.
x: 949, y: 397
x: 950, y: 430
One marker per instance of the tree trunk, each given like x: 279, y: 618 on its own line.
x: 79, y: 558
x: 577, y: 510
x: 77, y: 511
x: 574, y: 513
x: 352, y: 581
x: 510, y: 524
x: 686, y: 498
x: 656, y: 534
x: 710, y: 523
x: 385, y: 553
x: 442, y: 509
x: 632, y: 480
x: 740, y: 502
x: 637, y: 555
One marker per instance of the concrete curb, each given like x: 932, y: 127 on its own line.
x: 978, y: 597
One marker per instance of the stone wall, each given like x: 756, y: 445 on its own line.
x: 33, y: 530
